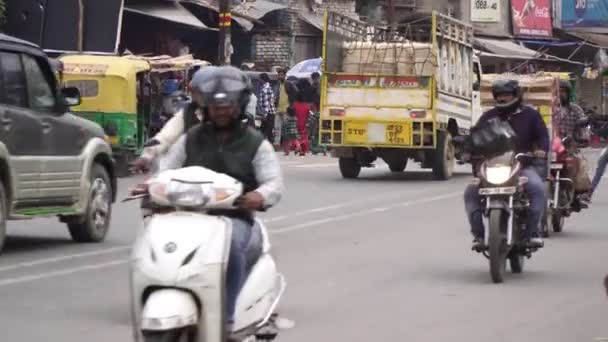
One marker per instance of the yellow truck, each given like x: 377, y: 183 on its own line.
x: 397, y: 95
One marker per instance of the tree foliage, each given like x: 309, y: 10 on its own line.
x: 2, y: 14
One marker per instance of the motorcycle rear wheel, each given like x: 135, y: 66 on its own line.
x: 557, y: 221
x: 516, y: 262
x: 497, y: 246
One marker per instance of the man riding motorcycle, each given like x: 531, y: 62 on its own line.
x: 570, y: 114
x: 180, y: 123
x: 225, y: 144
x: 532, y: 136
x: 569, y: 120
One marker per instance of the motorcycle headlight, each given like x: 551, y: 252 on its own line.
x: 498, y: 174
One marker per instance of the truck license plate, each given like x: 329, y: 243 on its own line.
x: 398, y: 134
x: 557, y: 166
x: 509, y: 190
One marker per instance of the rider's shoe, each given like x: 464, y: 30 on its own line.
x: 478, y: 244
x: 536, y: 242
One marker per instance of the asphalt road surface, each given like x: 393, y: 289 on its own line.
x: 382, y: 258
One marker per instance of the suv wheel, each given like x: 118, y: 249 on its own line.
x: 94, y: 225
x: 3, y: 214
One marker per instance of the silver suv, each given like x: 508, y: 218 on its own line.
x: 52, y: 163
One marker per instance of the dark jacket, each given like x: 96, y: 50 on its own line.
x: 529, y: 126
x: 234, y: 157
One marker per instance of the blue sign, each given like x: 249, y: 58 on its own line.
x: 584, y: 13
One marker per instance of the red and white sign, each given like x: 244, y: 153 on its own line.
x: 532, y: 18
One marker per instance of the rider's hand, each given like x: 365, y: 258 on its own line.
x: 540, y: 154
x: 138, y: 189
x: 140, y: 165
x: 251, y: 200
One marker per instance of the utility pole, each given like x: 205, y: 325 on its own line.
x: 391, y: 15
x: 224, y: 33
x: 80, y: 26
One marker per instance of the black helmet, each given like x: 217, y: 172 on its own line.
x: 507, y: 87
x: 227, y: 86
x: 197, y: 84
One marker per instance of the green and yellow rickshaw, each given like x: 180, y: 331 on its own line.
x: 122, y: 94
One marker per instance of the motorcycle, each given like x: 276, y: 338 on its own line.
x: 563, y: 199
x: 179, y: 262
x: 506, y: 210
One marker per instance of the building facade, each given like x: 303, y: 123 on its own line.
x: 294, y: 34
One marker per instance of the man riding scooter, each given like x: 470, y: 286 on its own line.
x: 226, y: 145
x: 532, y: 136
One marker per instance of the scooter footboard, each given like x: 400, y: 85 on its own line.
x: 168, y: 309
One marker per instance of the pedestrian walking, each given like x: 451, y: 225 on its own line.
x: 599, y: 171
x: 267, y: 100
x: 291, y: 138
x: 301, y: 109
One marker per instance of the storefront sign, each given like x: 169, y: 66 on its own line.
x: 485, y: 11
x: 584, y: 13
x: 532, y: 18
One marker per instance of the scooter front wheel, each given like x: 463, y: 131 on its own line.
x: 177, y: 335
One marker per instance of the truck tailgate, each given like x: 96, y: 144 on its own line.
x: 380, y: 97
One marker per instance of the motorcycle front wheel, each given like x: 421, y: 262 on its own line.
x: 177, y: 335
x: 497, y: 245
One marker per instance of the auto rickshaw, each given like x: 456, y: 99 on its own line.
x: 123, y: 95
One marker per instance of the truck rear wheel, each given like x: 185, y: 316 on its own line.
x: 349, y: 167
x: 443, y: 163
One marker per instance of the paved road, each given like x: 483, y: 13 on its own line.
x: 382, y: 258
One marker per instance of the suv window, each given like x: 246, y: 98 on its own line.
x: 39, y: 91
x: 14, y: 82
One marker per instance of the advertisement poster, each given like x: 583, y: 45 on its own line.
x: 485, y: 11
x: 584, y: 13
x: 532, y: 18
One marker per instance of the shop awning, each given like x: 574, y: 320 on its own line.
x: 506, y: 48
x: 257, y: 9
x: 313, y: 19
x: 597, y: 39
x: 170, y: 11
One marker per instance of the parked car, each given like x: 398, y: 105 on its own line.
x: 52, y: 163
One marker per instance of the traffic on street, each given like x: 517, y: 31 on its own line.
x: 291, y: 170
x: 386, y: 256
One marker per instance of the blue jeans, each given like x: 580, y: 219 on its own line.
x: 244, y: 238
x: 535, y: 188
x: 601, y: 167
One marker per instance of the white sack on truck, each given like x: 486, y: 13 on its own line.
x: 403, y: 58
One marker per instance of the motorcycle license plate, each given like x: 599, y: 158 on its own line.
x: 509, y: 190
x: 557, y: 166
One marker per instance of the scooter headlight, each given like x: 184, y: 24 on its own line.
x: 184, y: 194
x: 498, y: 174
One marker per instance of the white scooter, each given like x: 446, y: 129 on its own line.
x: 179, y: 262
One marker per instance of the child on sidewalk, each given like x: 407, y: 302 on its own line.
x: 291, y: 138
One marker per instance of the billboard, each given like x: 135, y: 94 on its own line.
x: 584, y: 13
x: 532, y: 18
x: 485, y: 11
